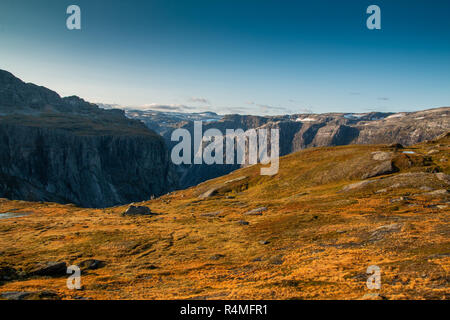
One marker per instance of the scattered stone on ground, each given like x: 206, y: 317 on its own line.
x: 356, y: 185
x: 212, y: 214
x: 439, y: 256
x: 39, y: 295
x: 276, y: 260
x: 256, y: 212
x: 51, y: 269
x: 395, y: 145
x: 91, y: 264
x: 137, y: 210
x: 8, y: 274
x: 382, y: 231
x: 257, y: 259
x: 216, y: 256
x: 443, y: 177
x: 440, y: 192
x: 399, y: 199
x: 373, y: 296
x: 81, y: 298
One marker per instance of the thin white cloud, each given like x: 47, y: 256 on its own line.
x: 199, y: 100
x: 167, y: 107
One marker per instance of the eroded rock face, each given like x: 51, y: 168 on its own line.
x: 69, y: 151
x: 43, y: 164
x: 381, y: 155
x: 209, y: 193
x: 301, y: 131
x: 384, y: 167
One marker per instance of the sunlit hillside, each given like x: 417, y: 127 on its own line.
x: 309, y: 232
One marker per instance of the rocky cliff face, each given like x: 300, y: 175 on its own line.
x: 301, y: 131
x: 67, y: 150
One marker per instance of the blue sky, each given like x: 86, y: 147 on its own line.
x: 257, y: 57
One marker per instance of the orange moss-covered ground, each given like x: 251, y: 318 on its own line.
x: 320, y: 238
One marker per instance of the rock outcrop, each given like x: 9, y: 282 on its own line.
x: 137, y: 211
x: 51, y: 269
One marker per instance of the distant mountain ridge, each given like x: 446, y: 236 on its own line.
x: 67, y: 150
x: 301, y: 131
x: 165, y: 122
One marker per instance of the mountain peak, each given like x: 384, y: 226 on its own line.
x: 37, y: 106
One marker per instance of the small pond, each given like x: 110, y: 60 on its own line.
x: 8, y: 215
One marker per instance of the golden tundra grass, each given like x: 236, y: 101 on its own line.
x: 320, y: 239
